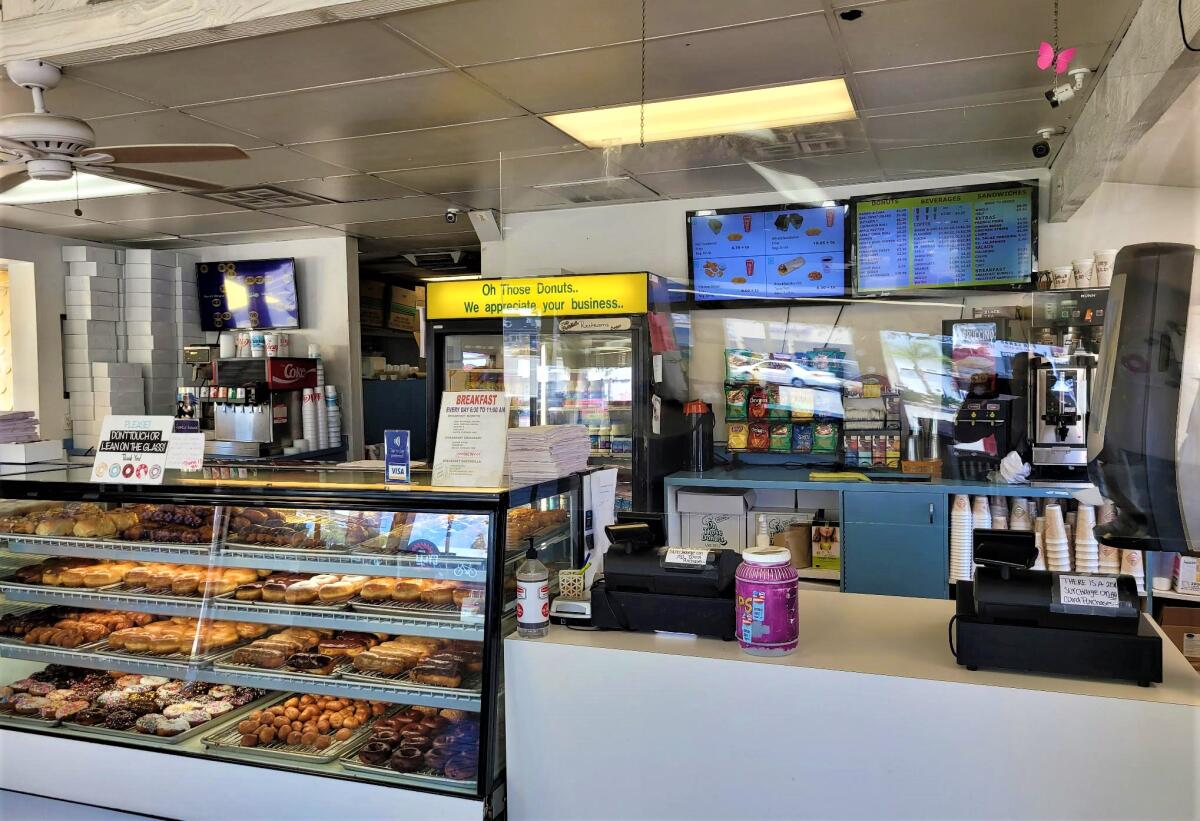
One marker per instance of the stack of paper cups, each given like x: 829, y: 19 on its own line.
x: 1058, y: 554
x: 1087, y: 550
x: 1106, y: 513
x: 322, y: 418
x: 961, y: 539
x: 1110, y: 559
x: 308, y: 419
x: 1162, y: 569
x: 333, y: 415
x: 1040, y: 562
x: 1020, y: 518
x: 227, y: 345
x: 981, y: 514
x: 1131, y: 565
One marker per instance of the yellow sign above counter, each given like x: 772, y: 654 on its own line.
x: 581, y: 295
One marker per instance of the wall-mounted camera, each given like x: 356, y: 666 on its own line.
x: 1041, y: 149
x: 1062, y: 93
x: 452, y: 215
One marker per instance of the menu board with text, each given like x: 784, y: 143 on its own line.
x: 782, y: 253
x: 945, y: 240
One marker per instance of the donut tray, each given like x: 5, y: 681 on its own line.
x: 12, y: 582
x: 424, y: 777
x: 419, y: 610
x: 101, y: 648
x: 28, y: 721
x: 228, y: 741
x: 298, y: 609
x: 186, y: 735
x: 472, y: 683
x: 225, y: 661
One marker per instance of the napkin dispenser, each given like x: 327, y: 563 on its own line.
x: 1014, y: 618
x: 647, y: 587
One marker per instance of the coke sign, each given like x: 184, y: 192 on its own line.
x: 288, y: 374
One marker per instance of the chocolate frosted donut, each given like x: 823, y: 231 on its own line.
x: 406, y: 760
x: 386, y: 735
x: 375, y: 752
x: 462, y: 767
x: 437, y: 758
x: 419, y: 742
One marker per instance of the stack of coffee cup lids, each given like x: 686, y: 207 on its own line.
x: 1132, y: 565
x: 1087, y: 549
x: 1054, y: 537
x: 1019, y: 518
x: 962, y: 553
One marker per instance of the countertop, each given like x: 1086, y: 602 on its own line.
x: 788, y: 478
x: 887, y: 636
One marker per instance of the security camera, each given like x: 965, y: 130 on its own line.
x: 1041, y: 149
x: 452, y: 215
x: 1062, y: 93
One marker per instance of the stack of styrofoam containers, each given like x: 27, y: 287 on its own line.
x: 150, y: 331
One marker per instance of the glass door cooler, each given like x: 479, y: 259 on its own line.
x: 620, y: 374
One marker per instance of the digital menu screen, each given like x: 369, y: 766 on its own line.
x: 252, y: 293
x: 778, y: 252
x: 978, y: 238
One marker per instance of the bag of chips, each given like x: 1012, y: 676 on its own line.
x: 735, y: 403
x: 757, y: 404
x: 825, y: 437
x: 781, y: 437
x: 760, y: 437
x: 776, y: 409
x: 738, y: 436
x: 802, y: 437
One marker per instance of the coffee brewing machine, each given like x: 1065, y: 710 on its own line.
x: 257, y: 404
x: 1068, y: 330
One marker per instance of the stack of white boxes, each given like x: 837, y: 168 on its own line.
x: 151, y: 337
x: 92, y: 343
x: 187, y: 312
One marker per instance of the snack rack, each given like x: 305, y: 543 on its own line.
x: 308, y: 490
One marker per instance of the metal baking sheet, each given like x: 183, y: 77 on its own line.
x: 84, y: 546
x: 472, y: 683
x: 28, y: 721
x: 228, y: 741
x: 183, y: 659
x: 186, y: 735
x: 224, y: 661
x: 416, y: 610
x: 11, y: 581
x: 421, y: 778
x: 298, y: 609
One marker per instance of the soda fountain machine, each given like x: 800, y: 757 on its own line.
x: 257, y: 404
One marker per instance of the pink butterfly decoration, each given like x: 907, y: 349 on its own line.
x: 1046, y: 57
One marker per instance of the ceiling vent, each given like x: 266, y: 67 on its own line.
x: 262, y: 197
x: 604, y: 189
x: 454, y: 260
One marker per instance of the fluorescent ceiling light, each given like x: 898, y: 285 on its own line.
x: 729, y: 113
x: 91, y: 186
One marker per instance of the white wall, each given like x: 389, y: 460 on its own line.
x: 37, y: 273
x: 327, y: 285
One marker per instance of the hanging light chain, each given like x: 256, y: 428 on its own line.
x: 642, y: 109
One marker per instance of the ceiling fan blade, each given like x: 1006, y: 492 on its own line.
x: 207, y: 152
x: 19, y: 148
x: 153, y: 177
x: 10, y: 179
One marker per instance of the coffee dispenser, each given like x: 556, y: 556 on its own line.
x: 257, y: 404
x: 1062, y: 386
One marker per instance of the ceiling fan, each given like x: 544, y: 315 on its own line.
x: 45, y: 146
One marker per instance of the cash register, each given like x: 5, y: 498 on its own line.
x: 647, y: 587
x: 1014, y: 618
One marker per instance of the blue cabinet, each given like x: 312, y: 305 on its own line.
x: 895, y: 544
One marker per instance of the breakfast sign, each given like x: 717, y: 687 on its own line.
x: 576, y: 295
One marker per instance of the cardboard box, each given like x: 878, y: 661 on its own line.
x: 84, y: 441
x: 90, y: 427
x: 786, y: 528
x: 89, y: 327
x: 159, y: 329
x: 88, y: 253
x: 76, y: 369
x: 1186, y: 577
x: 108, y: 384
x: 826, y: 545
x: 148, y: 286
x: 140, y: 270
x: 115, y: 369
x: 92, y: 284
x: 149, y: 299
x: 104, y: 313
x: 107, y: 299
x: 76, y: 384
x: 153, y: 357
x: 402, y: 313
x: 1182, y: 626
x: 89, y: 355
x: 94, y: 269
x: 714, y: 517
x: 27, y: 452
x: 150, y: 256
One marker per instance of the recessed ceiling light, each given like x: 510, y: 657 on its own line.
x: 728, y: 113
x: 91, y: 186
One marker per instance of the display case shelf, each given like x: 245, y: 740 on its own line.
x: 243, y: 611
x: 383, y: 690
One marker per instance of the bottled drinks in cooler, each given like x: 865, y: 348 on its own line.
x: 533, y: 597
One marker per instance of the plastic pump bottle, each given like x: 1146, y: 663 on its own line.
x: 533, y: 597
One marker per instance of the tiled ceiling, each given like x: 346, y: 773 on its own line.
x: 393, y: 120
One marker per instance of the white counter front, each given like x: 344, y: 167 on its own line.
x: 870, y: 718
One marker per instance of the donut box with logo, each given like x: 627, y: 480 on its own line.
x: 715, y: 520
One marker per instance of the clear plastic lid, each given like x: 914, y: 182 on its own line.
x: 766, y: 555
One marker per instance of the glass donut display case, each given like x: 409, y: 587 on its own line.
x: 312, y: 620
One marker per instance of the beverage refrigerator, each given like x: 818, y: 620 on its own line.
x: 621, y: 375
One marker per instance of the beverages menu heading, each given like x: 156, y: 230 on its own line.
x: 973, y: 238
x: 789, y: 253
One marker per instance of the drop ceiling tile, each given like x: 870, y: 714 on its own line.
x: 442, y: 146
x: 781, y: 51
x: 12, y: 216
x: 927, y: 31
x: 72, y: 97
x: 423, y: 242
x: 359, y: 109
x: 173, y: 243
x: 831, y: 167
x: 491, y: 30
x: 396, y: 228
x: 963, y: 123
x: 733, y: 179
x: 264, y: 165
x: 112, y: 232
x: 270, y: 235
x: 730, y: 149
x: 568, y: 166
x: 209, y: 223
x: 977, y: 81
x: 329, y: 53
x: 371, y: 211
x: 933, y: 160
x: 166, y: 127
x: 138, y: 206
x: 348, y: 188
